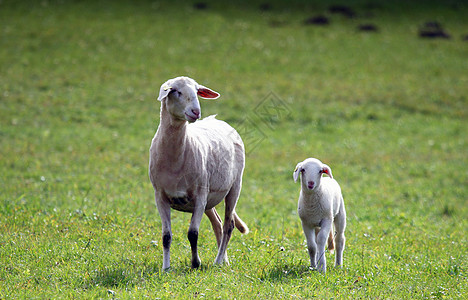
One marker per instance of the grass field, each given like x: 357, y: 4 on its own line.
x: 386, y: 110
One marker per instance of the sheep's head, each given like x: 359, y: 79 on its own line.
x: 311, y: 171
x: 180, y: 97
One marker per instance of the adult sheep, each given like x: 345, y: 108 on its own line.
x: 193, y: 166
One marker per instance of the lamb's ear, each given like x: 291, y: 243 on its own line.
x: 164, y: 91
x: 296, y: 172
x: 326, y: 169
x: 206, y: 93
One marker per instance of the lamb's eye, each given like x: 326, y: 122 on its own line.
x: 302, y: 171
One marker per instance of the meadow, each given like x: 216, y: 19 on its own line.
x: 387, y: 110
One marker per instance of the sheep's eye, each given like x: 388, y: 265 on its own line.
x: 176, y: 92
x: 302, y: 171
x: 321, y: 172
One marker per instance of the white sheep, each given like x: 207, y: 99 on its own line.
x: 320, y: 206
x: 193, y: 167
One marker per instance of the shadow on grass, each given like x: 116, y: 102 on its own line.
x: 115, y: 277
x: 130, y: 276
x: 111, y: 278
x: 285, y: 272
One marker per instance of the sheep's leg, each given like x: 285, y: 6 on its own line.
x: 230, y: 205
x: 216, y: 223
x: 322, y: 237
x: 227, y: 232
x: 340, y: 225
x: 165, y: 213
x: 193, y: 234
x: 311, y: 244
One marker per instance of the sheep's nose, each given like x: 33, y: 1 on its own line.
x: 196, y: 112
x: 310, y: 184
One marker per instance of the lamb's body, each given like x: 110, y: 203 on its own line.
x: 311, y: 207
x: 321, y: 206
x: 193, y: 167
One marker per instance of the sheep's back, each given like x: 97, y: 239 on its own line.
x: 216, y: 132
x: 211, y: 123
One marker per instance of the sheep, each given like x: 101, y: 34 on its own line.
x: 320, y: 204
x: 193, y: 166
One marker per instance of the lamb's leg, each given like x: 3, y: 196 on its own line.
x: 230, y: 205
x: 193, y: 234
x: 340, y: 225
x: 216, y: 223
x: 331, y: 243
x: 311, y: 244
x: 322, y: 237
x: 165, y: 214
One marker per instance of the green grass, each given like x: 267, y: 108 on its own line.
x: 387, y: 111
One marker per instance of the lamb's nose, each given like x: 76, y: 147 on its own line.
x: 310, y: 184
x: 196, y: 112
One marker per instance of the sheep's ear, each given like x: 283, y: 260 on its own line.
x: 297, y: 171
x: 206, y: 93
x: 164, y: 91
x: 326, y: 169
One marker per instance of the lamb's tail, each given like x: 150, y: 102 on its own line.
x: 331, y: 241
x: 240, y: 224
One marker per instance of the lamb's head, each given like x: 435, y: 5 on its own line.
x: 180, y: 97
x: 311, y: 171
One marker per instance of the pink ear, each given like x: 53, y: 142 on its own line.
x: 326, y: 169
x: 207, y: 93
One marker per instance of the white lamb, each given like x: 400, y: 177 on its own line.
x: 193, y: 167
x: 320, y: 204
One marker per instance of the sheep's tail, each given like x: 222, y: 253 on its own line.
x: 331, y: 241
x: 240, y: 224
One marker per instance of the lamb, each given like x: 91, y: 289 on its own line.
x: 193, y: 166
x: 320, y: 204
